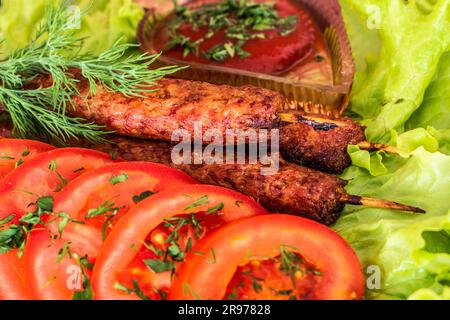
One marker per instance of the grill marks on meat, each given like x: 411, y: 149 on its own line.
x: 293, y: 189
x: 179, y: 104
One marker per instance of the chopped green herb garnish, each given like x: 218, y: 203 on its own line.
x: 113, y: 155
x: 26, y: 152
x: 175, y: 252
x: 144, y: 195
x: 63, y: 182
x: 64, y: 251
x: 158, y: 265
x: 199, y: 202
x: 18, y: 163
x: 213, y: 255
x: 290, y: 262
x: 215, y: 208
x: 118, y: 179
x: 187, y: 288
x: 238, y: 203
x: 107, y: 206
x: 87, y: 293
x: 135, y: 290
x: 256, y: 286
x: 53, y: 166
x: 240, y: 21
x: 15, y: 235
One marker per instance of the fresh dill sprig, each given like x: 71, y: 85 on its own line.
x: 40, y: 112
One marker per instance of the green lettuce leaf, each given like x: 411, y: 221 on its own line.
x: 398, y: 46
x: 407, y: 248
x: 104, y: 23
x: 435, y: 108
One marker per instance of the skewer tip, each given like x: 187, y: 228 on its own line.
x: 379, y: 203
x: 370, y: 146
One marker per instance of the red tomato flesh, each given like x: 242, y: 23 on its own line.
x: 13, y: 152
x: 119, y: 185
x: 321, y: 264
x: 12, y: 282
x: 146, y: 229
x: 52, y: 267
x: 44, y: 175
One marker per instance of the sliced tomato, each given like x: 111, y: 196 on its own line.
x: 12, y: 282
x: 56, y: 266
x: 111, y: 190
x: 91, y: 199
x: 270, y: 257
x: 145, y: 247
x: 44, y: 175
x: 13, y: 152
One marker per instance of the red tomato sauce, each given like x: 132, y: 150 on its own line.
x: 275, y: 54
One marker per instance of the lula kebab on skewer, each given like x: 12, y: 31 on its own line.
x: 292, y: 189
x: 320, y: 142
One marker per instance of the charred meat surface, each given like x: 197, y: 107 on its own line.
x: 293, y: 189
x: 320, y: 143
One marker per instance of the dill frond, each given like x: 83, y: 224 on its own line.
x: 54, y: 50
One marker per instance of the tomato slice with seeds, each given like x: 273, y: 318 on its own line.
x: 144, y: 249
x: 13, y: 152
x: 56, y: 265
x: 44, y: 175
x: 12, y: 282
x: 88, y: 200
x: 270, y: 257
x: 114, y: 188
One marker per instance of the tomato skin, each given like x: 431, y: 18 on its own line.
x: 48, y: 279
x: 34, y: 179
x: 14, y: 148
x: 133, y: 228
x: 12, y: 283
x: 94, y: 188
x: 342, y: 277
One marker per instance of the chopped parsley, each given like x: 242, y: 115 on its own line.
x: 15, y: 234
x: 159, y: 266
x: 105, y: 207
x: 240, y: 20
x: 144, y: 195
x: 18, y: 163
x: 290, y: 262
x: 64, y: 251
x: 26, y: 152
x: 135, y: 290
x: 215, y: 209
x: 118, y: 179
x: 197, y: 203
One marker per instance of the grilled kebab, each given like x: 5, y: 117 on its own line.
x: 293, y: 189
x: 319, y: 142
